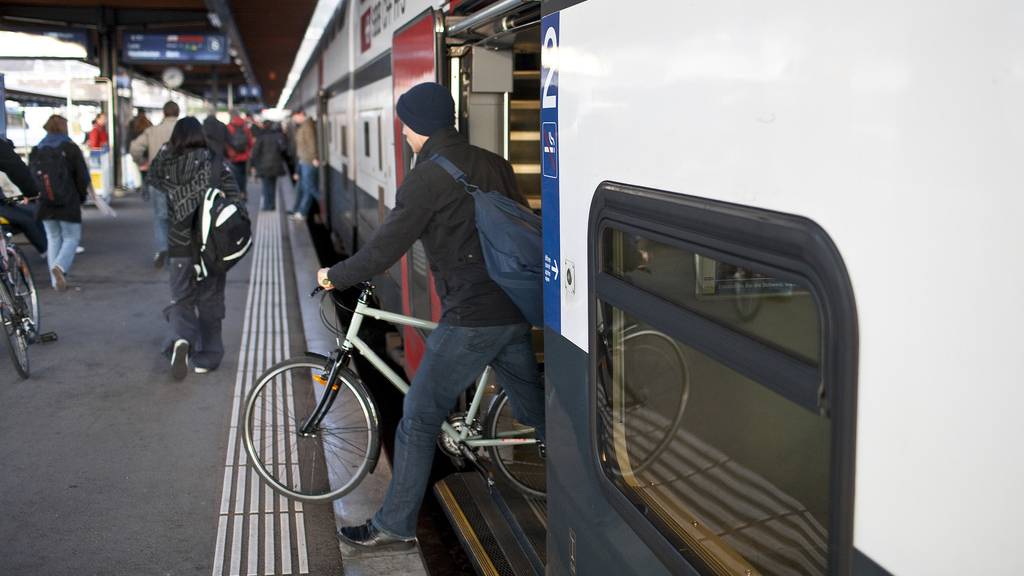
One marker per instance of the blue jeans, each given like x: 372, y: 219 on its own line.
x: 62, y: 239
x: 308, y: 189
x: 241, y: 178
x: 161, y: 221
x: 269, y: 193
x: 455, y: 357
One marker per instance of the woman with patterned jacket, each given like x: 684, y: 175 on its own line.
x: 184, y: 169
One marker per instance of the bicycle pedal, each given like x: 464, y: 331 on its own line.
x: 47, y: 337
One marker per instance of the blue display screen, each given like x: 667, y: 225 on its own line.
x: 211, y: 48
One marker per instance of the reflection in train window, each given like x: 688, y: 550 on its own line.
x: 779, y: 313
x: 735, y: 475
x: 419, y: 284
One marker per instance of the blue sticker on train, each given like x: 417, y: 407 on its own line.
x: 549, y: 171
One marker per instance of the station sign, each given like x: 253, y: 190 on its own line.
x: 176, y: 48
x: 248, y: 91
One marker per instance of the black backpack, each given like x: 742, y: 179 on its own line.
x: 51, y: 170
x: 223, y: 234
x: 237, y: 139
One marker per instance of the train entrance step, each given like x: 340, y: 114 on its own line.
x: 503, y: 532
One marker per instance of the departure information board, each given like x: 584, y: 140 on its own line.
x: 212, y: 48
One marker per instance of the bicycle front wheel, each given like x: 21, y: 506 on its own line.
x: 17, y: 341
x: 331, y: 457
x: 520, y: 464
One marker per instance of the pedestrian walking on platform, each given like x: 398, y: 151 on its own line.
x: 143, y: 150
x: 62, y: 178
x: 480, y: 325
x: 308, y: 163
x: 239, y: 149
x: 138, y: 125
x: 184, y: 169
x: 216, y: 135
x: 268, y: 161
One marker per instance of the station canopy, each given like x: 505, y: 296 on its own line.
x: 249, y: 43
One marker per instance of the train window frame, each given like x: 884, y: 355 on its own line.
x: 793, y: 248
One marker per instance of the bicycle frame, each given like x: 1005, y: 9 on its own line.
x: 352, y: 342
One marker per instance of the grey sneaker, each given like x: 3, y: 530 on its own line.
x: 368, y: 536
x: 179, y: 359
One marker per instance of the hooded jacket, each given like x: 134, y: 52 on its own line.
x: 72, y: 211
x: 432, y: 207
x: 268, y: 154
x: 185, y: 178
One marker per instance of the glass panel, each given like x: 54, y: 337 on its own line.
x: 735, y: 475
x: 777, y: 312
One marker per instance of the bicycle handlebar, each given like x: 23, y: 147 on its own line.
x: 363, y: 287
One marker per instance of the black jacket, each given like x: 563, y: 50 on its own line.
x: 72, y: 211
x: 12, y: 165
x: 436, y: 209
x: 216, y: 135
x: 185, y: 178
x: 268, y: 154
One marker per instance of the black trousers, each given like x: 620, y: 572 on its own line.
x: 24, y: 220
x: 196, y: 313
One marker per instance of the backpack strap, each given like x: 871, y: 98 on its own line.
x: 453, y: 171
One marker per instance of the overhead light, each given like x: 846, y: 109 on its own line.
x: 232, y: 52
x: 214, y: 19
x: 238, y: 62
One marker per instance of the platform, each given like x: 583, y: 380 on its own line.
x: 118, y: 468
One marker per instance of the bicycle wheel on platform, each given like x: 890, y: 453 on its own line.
x: 520, y: 464
x: 334, y: 453
x: 17, y: 340
x: 25, y: 286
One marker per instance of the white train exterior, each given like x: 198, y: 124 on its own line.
x: 795, y: 203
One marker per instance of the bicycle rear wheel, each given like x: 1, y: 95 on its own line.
x: 25, y: 286
x: 335, y: 455
x: 521, y: 465
x: 17, y: 341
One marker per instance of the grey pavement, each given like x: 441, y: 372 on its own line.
x: 109, y: 465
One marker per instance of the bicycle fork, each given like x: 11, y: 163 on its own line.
x: 337, y: 360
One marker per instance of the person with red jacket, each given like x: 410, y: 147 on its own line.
x: 98, y: 139
x: 239, y: 148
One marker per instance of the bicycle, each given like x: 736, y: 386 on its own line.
x: 19, y: 302
x: 309, y: 452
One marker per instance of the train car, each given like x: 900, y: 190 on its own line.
x: 729, y: 192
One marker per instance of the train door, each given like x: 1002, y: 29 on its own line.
x: 493, y: 60
x: 415, y: 58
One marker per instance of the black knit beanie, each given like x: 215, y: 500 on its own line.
x: 426, y: 108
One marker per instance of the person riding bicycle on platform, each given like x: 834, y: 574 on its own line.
x: 479, y: 325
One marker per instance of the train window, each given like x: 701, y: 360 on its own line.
x: 710, y: 454
x: 723, y: 364
x: 780, y: 313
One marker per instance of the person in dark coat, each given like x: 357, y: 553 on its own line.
x: 184, y: 169
x: 268, y: 162
x: 216, y: 135
x: 62, y: 220
x: 479, y: 326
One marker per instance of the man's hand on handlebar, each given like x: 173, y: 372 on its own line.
x: 322, y: 280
